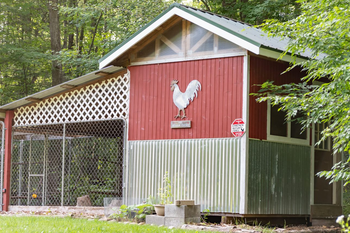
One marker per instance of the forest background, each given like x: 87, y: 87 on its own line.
x: 46, y: 42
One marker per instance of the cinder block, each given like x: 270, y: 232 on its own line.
x: 177, y: 222
x: 182, y: 211
x: 155, y: 219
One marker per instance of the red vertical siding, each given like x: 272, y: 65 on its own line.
x: 211, y: 113
x: 262, y: 70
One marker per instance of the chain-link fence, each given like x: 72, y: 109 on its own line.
x: 55, y: 164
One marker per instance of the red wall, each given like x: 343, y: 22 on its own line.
x: 262, y: 70
x: 211, y: 113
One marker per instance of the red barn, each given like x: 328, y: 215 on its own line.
x: 116, y: 131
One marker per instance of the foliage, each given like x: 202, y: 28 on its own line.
x: 57, y: 224
x: 322, y: 32
x: 344, y: 223
x: 134, y: 212
x: 165, y: 193
x: 205, y: 215
x: 89, y: 29
x: 253, y: 11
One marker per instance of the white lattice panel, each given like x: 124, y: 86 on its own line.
x: 100, y: 101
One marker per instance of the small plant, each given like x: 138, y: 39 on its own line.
x: 134, y: 212
x: 165, y: 194
x: 205, y: 215
x: 344, y: 223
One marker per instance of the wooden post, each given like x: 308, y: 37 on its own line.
x: 7, y: 160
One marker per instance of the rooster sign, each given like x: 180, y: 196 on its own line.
x: 182, y: 99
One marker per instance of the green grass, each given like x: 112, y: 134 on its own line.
x: 55, y: 224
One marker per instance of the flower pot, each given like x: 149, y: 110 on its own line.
x: 160, y: 209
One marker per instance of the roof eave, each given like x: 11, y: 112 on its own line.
x: 60, y: 88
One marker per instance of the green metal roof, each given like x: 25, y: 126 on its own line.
x: 246, y: 32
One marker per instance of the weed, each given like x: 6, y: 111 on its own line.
x: 165, y: 194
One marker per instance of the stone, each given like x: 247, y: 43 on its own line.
x: 84, y: 201
x: 104, y: 219
x: 178, y: 222
x: 115, y: 202
x: 155, y: 220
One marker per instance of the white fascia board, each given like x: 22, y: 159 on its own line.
x: 137, y: 38
x: 243, y: 196
x: 277, y: 55
x: 218, y: 31
x: 193, y: 19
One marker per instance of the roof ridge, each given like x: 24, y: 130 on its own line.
x: 211, y: 13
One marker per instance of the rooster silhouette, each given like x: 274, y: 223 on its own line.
x: 182, y: 100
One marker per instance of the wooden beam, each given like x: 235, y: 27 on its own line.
x: 216, y: 43
x: 102, y: 73
x: 201, y: 42
x: 32, y: 99
x: 7, y: 160
x: 183, y: 41
x: 170, y: 44
x: 68, y: 86
x: 153, y: 36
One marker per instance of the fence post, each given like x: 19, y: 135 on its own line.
x: 63, y: 155
x: 7, y: 161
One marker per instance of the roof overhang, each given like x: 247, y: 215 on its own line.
x: 60, y: 88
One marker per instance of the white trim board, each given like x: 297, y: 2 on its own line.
x: 281, y: 139
x: 159, y: 61
x: 245, y: 139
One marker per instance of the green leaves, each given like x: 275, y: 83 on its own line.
x: 322, y: 30
x: 89, y: 30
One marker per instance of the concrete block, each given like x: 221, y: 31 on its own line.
x: 182, y: 211
x: 184, y: 202
x: 155, y: 219
x: 177, y: 222
x: 324, y: 222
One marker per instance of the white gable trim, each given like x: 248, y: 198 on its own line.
x: 137, y: 38
x: 193, y: 19
x: 218, y: 31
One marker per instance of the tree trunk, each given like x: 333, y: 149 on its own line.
x: 55, y: 35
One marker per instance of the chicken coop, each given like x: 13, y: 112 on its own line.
x: 167, y: 100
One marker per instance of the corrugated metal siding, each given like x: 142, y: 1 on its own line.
x: 279, y: 178
x: 205, y: 170
x: 262, y: 70
x: 218, y: 103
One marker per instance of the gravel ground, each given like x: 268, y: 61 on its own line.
x: 198, y: 227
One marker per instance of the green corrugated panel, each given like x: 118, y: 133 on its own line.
x: 278, y: 178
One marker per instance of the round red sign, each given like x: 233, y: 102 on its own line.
x: 238, y: 128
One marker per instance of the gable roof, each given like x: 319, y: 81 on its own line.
x: 242, y: 34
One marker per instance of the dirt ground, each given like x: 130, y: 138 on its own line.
x: 198, y: 227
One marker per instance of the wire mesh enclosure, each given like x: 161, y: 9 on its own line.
x: 55, y: 164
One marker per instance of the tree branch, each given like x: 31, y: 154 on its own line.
x: 93, y: 37
x: 206, y: 5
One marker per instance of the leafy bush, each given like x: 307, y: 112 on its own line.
x: 134, y: 212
